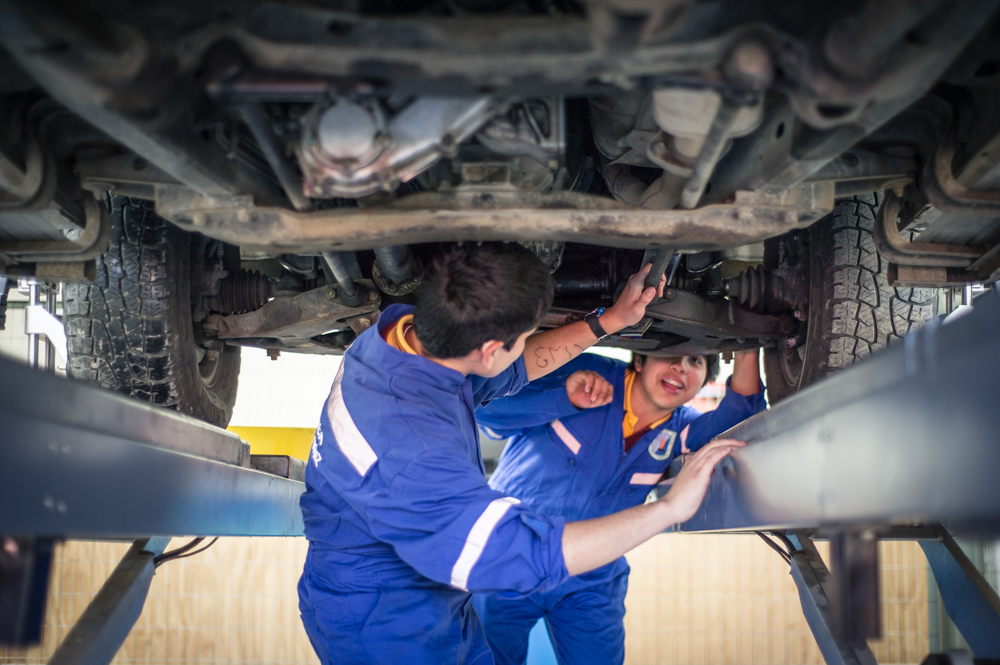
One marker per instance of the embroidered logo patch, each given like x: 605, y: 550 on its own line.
x: 662, y: 446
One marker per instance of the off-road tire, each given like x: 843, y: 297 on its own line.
x: 131, y: 329
x: 852, y: 309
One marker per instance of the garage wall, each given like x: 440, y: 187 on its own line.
x: 730, y: 599
x: 692, y: 599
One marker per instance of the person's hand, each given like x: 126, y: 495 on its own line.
x: 588, y: 389
x: 691, y: 483
x: 630, y: 307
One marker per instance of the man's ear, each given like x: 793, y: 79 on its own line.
x: 637, y: 361
x: 489, y: 351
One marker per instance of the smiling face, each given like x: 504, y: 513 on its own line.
x: 667, y: 383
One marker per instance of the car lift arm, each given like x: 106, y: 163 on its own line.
x: 907, y: 436
x: 81, y: 462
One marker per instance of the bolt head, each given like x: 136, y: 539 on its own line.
x: 331, y: 294
x: 372, y: 295
x: 751, y: 62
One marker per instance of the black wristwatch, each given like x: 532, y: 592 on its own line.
x: 595, y: 324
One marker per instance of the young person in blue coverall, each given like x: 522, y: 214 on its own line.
x: 591, y: 439
x: 401, y: 523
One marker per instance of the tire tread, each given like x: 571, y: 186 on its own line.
x: 123, y: 329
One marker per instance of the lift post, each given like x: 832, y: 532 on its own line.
x: 971, y: 603
x: 812, y: 578
x: 100, y: 632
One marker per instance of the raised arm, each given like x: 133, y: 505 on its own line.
x: 744, y: 397
x: 552, y: 349
x: 746, y: 373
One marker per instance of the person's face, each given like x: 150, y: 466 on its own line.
x: 670, y: 382
x: 502, y: 358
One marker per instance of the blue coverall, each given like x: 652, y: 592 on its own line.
x: 400, y: 521
x: 570, y: 462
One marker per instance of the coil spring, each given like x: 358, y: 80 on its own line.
x: 240, y: 292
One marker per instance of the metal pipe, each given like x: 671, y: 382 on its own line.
x: 350, y: 294
x: 51, y: 292
x: 659, y: 262
x: 32, y: 337
x: 5, y: 284
x: 711, y: 152
x: 967, y: 295
x: 351, y: 263
x: 395, y: 262
x: 255, y: 119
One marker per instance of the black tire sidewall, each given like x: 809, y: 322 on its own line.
x: 132, y: 329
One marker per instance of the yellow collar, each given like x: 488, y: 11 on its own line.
x: 630, y: 420
x: 397, y: 336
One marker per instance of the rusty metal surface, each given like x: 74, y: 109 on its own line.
x: 298, y: 317
x: 705, y: 318
x: 891, y: 244
x: 510, y: 216
x: 93, y: 240
x: 947, y: 194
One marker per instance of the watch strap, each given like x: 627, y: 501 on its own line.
x: 595, y: 325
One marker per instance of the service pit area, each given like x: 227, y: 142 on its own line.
x: 811, y: 475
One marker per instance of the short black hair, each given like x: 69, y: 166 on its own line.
x: 711, y: 365
x: 476, y: 292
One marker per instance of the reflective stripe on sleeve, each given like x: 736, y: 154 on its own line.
x: 349, y: 439
x: 565, y: 436
x: 493, y: 435
x: 645, y: 478
x: 475, y: 543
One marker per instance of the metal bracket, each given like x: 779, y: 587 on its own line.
x: 299, y: 317
x: 812, y: 580
x: 92, y: 242
x: 39, y: 321
x: 102, y: 628
x: 892, y: 246
x: 968, y: 598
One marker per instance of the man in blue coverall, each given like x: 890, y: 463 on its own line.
x: 401, y: 523
x: 591, y: 439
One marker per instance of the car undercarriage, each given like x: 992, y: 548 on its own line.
x: 206, y: 176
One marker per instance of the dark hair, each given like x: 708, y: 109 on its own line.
x: 711, y: 365
x: 473, y: 293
